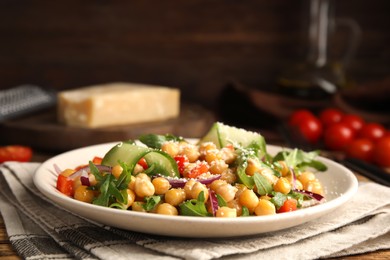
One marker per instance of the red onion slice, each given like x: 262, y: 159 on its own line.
x: 213, y: 202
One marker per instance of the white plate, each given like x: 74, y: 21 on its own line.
x: 339, y: 182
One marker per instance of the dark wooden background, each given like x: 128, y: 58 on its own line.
x: 195, y: 45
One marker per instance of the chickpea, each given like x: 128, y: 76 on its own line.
x: 228, y: 154
x: 197, y: 189
x: 269, y: 174
x: 67, y: 172
x: 92, y: 179
x: 265, y: 197
x: 188, y: 188
x: 240, y: 189
x: 227, y: 192
x: 138, y: 206
x: 143, y: 187
x: 298, y: 185
x: 130, y: 197
x: 305, y: 177
x: 218, y: 167
x: 253, y: 167
x: 314, y: 186
x: 284, y: 170
x: 282, y: 185
x: 138, y: 169
x: 265, y: 207
x: 175, y: 196
x: 143, y: 176
x: 167, y: 209
x: 229, y: 176
x: 205, y: 147
x: 212, y: 155
x: 191, y: 152
x: 234, y: 204
x: 249, y: 199
x: 161, y: 185
x: 216, y: 184
x: 76, y: 183
x: 131, y: 184
x: 117, y: 171
x: 82, y: 193
x: 226, y: 212
x: 171, y: 148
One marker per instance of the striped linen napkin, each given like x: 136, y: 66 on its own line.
x: 39, y: 229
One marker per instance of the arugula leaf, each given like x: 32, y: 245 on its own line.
x: 245, y: 212
x: 300, y: 159
x: 95, y: 171
x: 263, y: 186
x: 125, y: 177
x: 195, y: 207
x: 278, y: 199
x: 156, y: 141
x: 221, y: 201
x: 104, y: 198
x: 243, y: 177
x: 151, y: 202
x: 298, y: 196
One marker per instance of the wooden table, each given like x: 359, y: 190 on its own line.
x: 7, y: 252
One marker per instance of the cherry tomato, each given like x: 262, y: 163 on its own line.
x: 330, y: 116
x: 353, y: 121
x: 338, y: 136
x: 311, y: 129
x: 307, y: 124
x: 299, y: 115
x: 17, y: 153
x: 381, y: 152
x: 361, y: 148
x: 372, y: 131
x: 288, y: 205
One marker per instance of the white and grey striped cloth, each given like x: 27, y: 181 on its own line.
x: 40, y: 230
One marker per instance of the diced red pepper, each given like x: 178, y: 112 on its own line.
x: 143, y: 163
x: 199, y: 169
x: 288, y: 205
x: 65, y: 185
x: 97, y: 160
x: 181, y: 161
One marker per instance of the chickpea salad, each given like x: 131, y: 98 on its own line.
x: 226, y: 173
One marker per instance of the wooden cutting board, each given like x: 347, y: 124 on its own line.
x: 42, y: 131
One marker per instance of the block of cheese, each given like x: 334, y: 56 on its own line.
x: 117, y: 104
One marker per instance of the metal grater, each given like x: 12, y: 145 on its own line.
x: 23, y: 100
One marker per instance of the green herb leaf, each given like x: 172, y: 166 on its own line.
x: 151, y: 202
x: 278, y: 199
x: 300, y: 159
x: 195, y: 207
x: 243, y: 177
x: 221, y: 201
x: 263, y: 186
x: 156, y: 141
x: 245, y: 212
